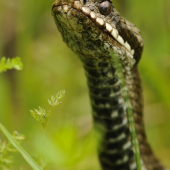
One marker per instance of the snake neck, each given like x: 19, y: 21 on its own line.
x: 116, y: 150
x: 115, y: 147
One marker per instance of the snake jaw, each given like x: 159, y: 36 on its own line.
x: 113, y: 31
x: 100, y: 22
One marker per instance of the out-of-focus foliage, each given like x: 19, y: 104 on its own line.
x: 27, y: 29
x: 15, y: 142
x: 6, y: 148
x: 6, y: 64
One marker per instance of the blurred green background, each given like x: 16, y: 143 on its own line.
x: 27, y: 30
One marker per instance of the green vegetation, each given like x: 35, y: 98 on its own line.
x: 6, y: 147
x: 129, y: 111
x: 27, y: 29
x: 42, y: 115
x: 6, y: 64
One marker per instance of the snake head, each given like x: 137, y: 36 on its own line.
x: 94, y: 28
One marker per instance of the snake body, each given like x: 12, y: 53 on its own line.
x: 93, y: 29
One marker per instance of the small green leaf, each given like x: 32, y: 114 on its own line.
x: 7, y: 160
x: 39, y: 115
x: 6, y: 64
x: 18, y: 136
x: 54, y: 101
x: 42, y: 115
x: 16, y: 63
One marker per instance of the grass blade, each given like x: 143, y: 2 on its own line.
x: 25, y: 155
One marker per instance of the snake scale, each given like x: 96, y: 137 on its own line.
x: 94, y: 30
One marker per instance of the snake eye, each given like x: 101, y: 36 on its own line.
x: 105, y: 8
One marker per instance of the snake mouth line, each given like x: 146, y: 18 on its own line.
x: 112, y: 30
x: 99, y: 22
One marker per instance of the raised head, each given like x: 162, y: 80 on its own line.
x: 94, y: 27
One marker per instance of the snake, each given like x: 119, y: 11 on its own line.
x: 98, y: 34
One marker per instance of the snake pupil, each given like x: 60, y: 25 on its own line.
x: 105, y: 8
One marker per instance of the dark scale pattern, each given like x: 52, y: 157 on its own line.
x: 103, y: 92
x: 109, y: 112
x: 116, y: 145
x: 99, y: 72
x: 116, y: 134
x: 104, y: 101
x: 116, y: 157
x: 110, y: 123
x: 103, y: 82
x: 123, y: 166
